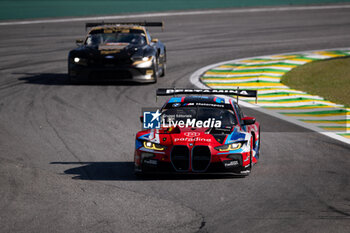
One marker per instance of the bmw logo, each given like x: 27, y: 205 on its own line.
x: 176, y: 105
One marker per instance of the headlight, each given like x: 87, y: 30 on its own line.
x: 153, y: 146
x: 144, y: 62
x: 80, y: 61
x: 228, y: 147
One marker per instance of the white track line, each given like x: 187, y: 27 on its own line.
x: 182, y: 13
x: 195, y: 80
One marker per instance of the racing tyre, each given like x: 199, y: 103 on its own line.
x: 259, y: 146
x: 155, y: 71
x: 71, y: 80
x: 248, y: 170
x: 139, y: 174
x: 164, y: 67
x: 163, y: 70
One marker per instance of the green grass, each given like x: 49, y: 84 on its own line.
x: 329, y: 79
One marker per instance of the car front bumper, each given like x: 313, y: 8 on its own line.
x: 113, y: 73
x: 157, y: 164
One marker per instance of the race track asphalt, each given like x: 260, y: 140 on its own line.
x: 66, y: 151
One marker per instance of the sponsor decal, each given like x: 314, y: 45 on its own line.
x: 151, y: 162
x: 248, y: 93
x: 231, y: 163
x: 192, y: 140
x: 211, y: 105
x: 191, y: 134
x: 188, y: 104
x: 176, y: 105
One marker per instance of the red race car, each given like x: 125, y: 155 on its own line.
x: 199, y: 133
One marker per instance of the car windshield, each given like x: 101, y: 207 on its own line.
x: 105, y: 38
x: 226, y: 116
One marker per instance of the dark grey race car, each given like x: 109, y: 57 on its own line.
x: 118, y: 52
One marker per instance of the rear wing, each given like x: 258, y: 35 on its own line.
x: 145, y: 24
x: 237, y: 92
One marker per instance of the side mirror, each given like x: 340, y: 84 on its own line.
x: 79, y: 42
x: 141, y: 119
x: 248, y: 120
x: 154, y: 40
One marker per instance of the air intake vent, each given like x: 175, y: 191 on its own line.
x: 180, y: 157
x: 201, y: 157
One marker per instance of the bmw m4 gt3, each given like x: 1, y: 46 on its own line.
x: 199, y: 133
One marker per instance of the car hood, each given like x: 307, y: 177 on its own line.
x: 109, y: 49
